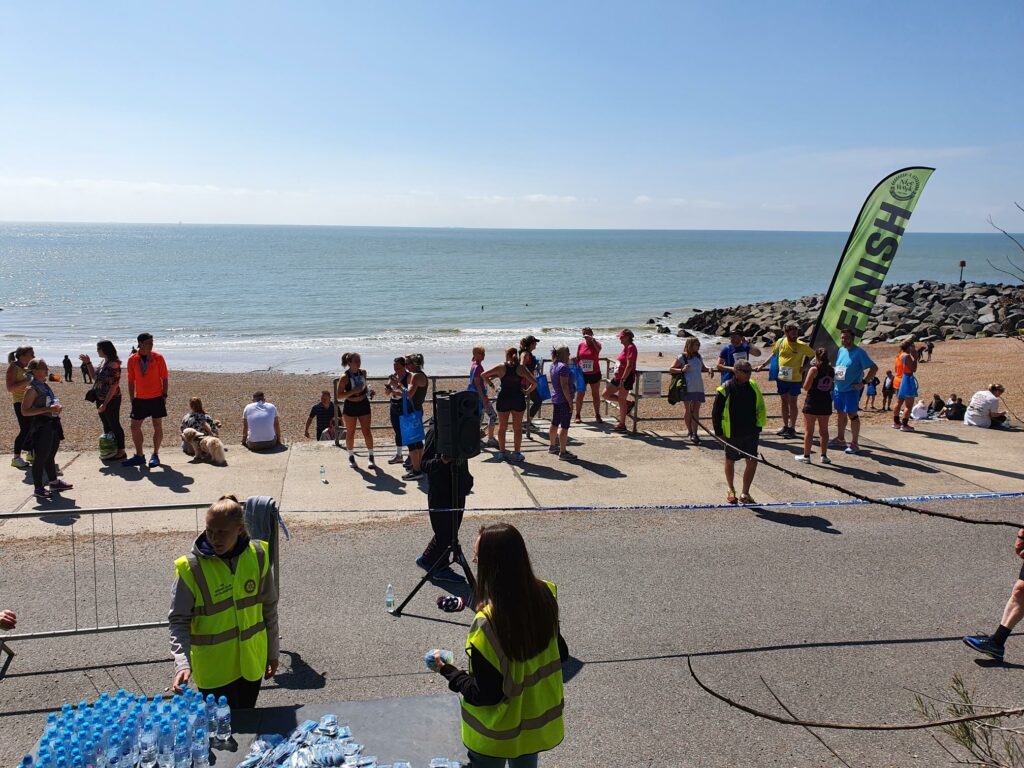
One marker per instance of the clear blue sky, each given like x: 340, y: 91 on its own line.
x: 526, y: 114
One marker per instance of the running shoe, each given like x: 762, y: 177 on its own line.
x: 500, y: 456
x: 598, y: 420
x: 396, y: 459
x: 578, y: 420
x: 517, y: 457
x: 619, y: 428
x: 492, y: 442
x: 41, y: 493
x: 371, y: 463
x: 60, y: 485
x: 802, y: 459
x: 695, y: 438
x: 552, y: 449
x: 984, y: 644
x: 826, y: 460
x: 835, y: 442
x: 30, y: 456
x: 352, y: 461
x: 907, y: 428
x: 134, y: 461
x: 412, y: 474
x: 784, y: 432
x: 746, y: 498
x: 19, y: 463
x: 154, y: 461
x: 896, y: 425
x: 731, y: 497
x: 567, y: 456
x: 853, y: 448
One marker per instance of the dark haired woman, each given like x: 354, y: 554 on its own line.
x: 818, y: 404
x: 17, y: 383
x: 512, y: 693
x: 352, y: 389
x: 588, y: 358
x: 42, y: 408
x: 516, y: 381
x: 529, y: 360
x: 619, y: 387
x: 418, y: 384
x: 224, y: 561
x: 107, y: 386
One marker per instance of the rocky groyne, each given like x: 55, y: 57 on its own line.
x: 926, y: 310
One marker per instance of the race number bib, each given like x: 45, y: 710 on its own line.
x: 587, y: 366
x: 840, y: 373
x: 737, y: 356
x: 785, y: 373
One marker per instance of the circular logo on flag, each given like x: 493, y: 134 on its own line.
x: 250, y: 586
x: 905, y: 187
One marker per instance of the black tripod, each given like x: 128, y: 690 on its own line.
x: 454, y: 548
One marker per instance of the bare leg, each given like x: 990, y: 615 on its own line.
x: 502, y: 427
x: 623, y: 402
x: 841, y: 427
x: 1014, y: 609
x: 563, y: 440
x: 785, y: 410
x: 579, y: 403
x: 517, y: 430
x: 364, y: 426
x: 822, y: 436
x: 158, y: 434
x: 748, y: 474
x: 137, y: 436
x: 809, y: 435
x: 855, y: 429
x: 730, y: 467
x: 350, y: 432
x: 595, y: 393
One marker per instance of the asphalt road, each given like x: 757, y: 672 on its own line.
x: 840, y: 609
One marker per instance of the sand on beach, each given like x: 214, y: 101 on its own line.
x: 963, y: 367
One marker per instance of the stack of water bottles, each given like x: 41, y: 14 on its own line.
x: 321, y: 745
x: 125, y: 731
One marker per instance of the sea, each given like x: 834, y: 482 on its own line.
x: 293, y: 298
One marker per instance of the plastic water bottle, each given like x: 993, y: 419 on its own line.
x: 223, y: 721
x: 200, y: 751
x: 323, y: 474
x: 147, y: 747
x: 211, y: 711
x: 165, y: 747
x: 200, y: 720
x: 389, y: 597
x: 182, y: 750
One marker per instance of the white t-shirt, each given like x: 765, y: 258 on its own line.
x: 983, y: 406
x: 260, y: 418
x: 919, y: 411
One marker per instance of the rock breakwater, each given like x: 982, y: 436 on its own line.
x: 926, y: 310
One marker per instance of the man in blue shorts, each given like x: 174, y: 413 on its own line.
x: 854, y: 369
x: 792, y: 354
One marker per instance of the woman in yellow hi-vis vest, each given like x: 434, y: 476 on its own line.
x: 223, y: 619
x: 512, y: 694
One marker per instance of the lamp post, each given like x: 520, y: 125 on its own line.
x: 962, y: 265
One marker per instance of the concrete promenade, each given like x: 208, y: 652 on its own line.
x: 839, y: 608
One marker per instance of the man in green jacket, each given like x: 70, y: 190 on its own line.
x: 739, y: 416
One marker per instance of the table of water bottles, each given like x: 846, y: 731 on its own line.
x: 124, y: 730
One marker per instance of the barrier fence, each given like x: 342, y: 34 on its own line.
x: 90, y: 539
x: 427, y: 403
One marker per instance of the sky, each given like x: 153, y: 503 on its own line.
x: 652, y: 115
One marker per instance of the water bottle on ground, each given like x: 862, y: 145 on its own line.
x: 211, y: 711
x: 223, y: 720
x: 165, y: 747
x: 200, y: 751
x: 182, y: 749
x: 389, y: 597
x: 323, y: 474
x: 147, y: 746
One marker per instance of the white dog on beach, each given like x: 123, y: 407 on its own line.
x: 205, y: 447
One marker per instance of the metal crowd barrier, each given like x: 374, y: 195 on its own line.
x: 97, y: 540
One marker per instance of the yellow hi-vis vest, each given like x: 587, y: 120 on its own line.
x: 528, y: 719
x: 228, y: 636
x: 762, y: 414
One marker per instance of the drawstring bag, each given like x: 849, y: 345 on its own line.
x: 543, y: 389
x: 107, y: 445
x: 410, y: 423
x: 676, y: 388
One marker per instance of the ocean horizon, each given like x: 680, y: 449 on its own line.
x: 222, y: 297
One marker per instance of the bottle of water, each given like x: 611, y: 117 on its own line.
x: 200, y: 751
x: 323, y: 474
x: 200, y: 720
x: 223, y: 720
x: 389, y: 597
x: 147, y: 746
x: 165, y: 747
x: 211, y: 711
x: 182, y: 749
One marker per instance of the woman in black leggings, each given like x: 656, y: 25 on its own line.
x: 17, y: 383
x: 43, y: 409
x: 529, y: 361
x: 107, y: 387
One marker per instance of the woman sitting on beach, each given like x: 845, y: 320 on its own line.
x: 107, y: 386
x: 691, y: 365
x: 618, y: 388
x: 352, y: 390
x: 200, y: 421
x: 516, y: 381
x: 588, y: 358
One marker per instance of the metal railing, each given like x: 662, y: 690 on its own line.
x: 432, y: 388
x: 102, y: 545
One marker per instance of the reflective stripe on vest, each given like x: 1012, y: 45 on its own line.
x: 760, y: 412
x: 228, y: 634
x: 529, y: 717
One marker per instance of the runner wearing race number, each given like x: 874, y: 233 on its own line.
x: 588, y: 358
x: 793, y: 353
x: 738, y: 348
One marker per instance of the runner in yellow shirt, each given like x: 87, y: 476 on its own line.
x: 793, y: 354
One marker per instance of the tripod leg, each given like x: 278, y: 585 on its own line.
x: 441, y: 562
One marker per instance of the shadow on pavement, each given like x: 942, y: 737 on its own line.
x: 162, y: 476
x: 814, y: 522
x: 876, y: 449
x: 382, y: 481
x: 298, y: 675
